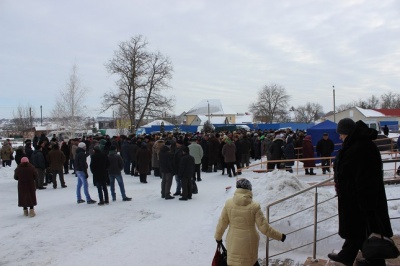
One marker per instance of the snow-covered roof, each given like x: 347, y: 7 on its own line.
x: 213, y: 120
x: 212, y: 107
x: 369, y: 112
x: 157, y: 123
x: 244, y: 119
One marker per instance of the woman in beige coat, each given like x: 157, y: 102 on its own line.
x: 242, y: 214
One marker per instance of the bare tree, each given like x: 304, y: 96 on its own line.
x: 23, y: 119
x: 308, y: 113
x: 390, y: 100
x: 272, y: 103
x: 70, y: 108
x: 143, y: 77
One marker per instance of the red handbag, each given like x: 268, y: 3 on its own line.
x: 220, y: 257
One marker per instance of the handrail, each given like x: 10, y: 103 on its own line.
x: 316, y: 221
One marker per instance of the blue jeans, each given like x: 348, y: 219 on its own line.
x: 178, y: 184
x: 82, y: 180
x: 120, y: 184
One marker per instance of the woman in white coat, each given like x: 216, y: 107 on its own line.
x: 242, y: 214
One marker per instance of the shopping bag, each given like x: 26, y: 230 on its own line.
x: 220, y: 257
x: 377, y: 246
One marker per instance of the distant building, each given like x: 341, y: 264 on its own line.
x: 210, y: 108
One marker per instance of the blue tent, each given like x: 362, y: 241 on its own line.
x: 329, y: 127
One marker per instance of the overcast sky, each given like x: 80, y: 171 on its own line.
x: 219, y: 49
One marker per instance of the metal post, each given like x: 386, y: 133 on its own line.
x: 315, y: 224
x: 41, y: 117
x: 267, y: 244
x: 334, y: 104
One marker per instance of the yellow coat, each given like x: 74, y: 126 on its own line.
x: 242, y: 214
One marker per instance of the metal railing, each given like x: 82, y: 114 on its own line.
x: 314, y: 224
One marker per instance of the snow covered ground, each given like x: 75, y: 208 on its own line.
x: 150, y: 230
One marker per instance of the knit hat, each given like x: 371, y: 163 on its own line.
x: 24, y: 160
x: 345, y: 126
x: 82, y: 145
x: 243, y: 183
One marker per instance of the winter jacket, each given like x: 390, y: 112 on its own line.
x: 177, y: 158
x: 19, y: 153
x: 359, y: 185
x: 132, y: 149
x: 98, y: 166
x: 6, y: 151
x: 276, y: 149
x: 116, y: 164
x: 196, y: 151
x: 26, y: 175
x: 229, y: 152
x: 325, y: 148
x: 213, y: 150
x: 125, y: 150
x: 143, y: 159
x: 246, y: 145
x: 37, y: 159
x: 242, y: 215
x: 288, y: 151
x: 80, y: 160
x: 65, y: 150
x: 166, y: 161
x: 56, y: 159
x: 155, y: 157
x: 186, y: 166
x: 308, y: 152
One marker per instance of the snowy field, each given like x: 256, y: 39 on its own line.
x: 150, y: 230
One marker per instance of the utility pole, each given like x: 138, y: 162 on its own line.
x: 41, y: 117
x: 334, y: 104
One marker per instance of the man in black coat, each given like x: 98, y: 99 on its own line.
x: 167, y: 170
x: 362, y: 202
x: 186, y: 172
x: 324, y: 148
x: 98, y: 166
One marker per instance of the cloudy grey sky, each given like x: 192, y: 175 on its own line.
x: 220, y: 49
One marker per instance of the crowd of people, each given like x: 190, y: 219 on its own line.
x: 186, y: 156
x: 179, y: 157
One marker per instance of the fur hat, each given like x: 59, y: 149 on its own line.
x: 24, y: 160
x: 244, y: 183
x: 82, y: 145
x: 345, y: 126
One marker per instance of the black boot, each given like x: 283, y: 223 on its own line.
x: 215, y: 168
x: 307, y: 173
x: 312, y: 171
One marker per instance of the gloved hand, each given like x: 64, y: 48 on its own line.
x: 283, y: 237
x: 219, y: 241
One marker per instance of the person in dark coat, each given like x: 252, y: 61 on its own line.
x: 143, y: 159
x: 276, y: 152
x: 56, y: 159
x: 125, y: 154
x: 39, y: 162
x: 238, y: 153
x: 98, y: 166
x: 65, y: 149
x: 80, y: 167
x: 213, y: 151
x: 186, y: 172
x: 325, y: 147
x: 229, y: 153
x: 166, y: 170
x: 132, y: 149
x: 289, y: 153
x: 116, y: 165
x: 19, y: 153
x: 308, y: 152
x: 28, y: 148
x: 385, y: 130
x: 26, y: 175
x: 245, y: 145
x: 362, y: 203
x: 204, y: 159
